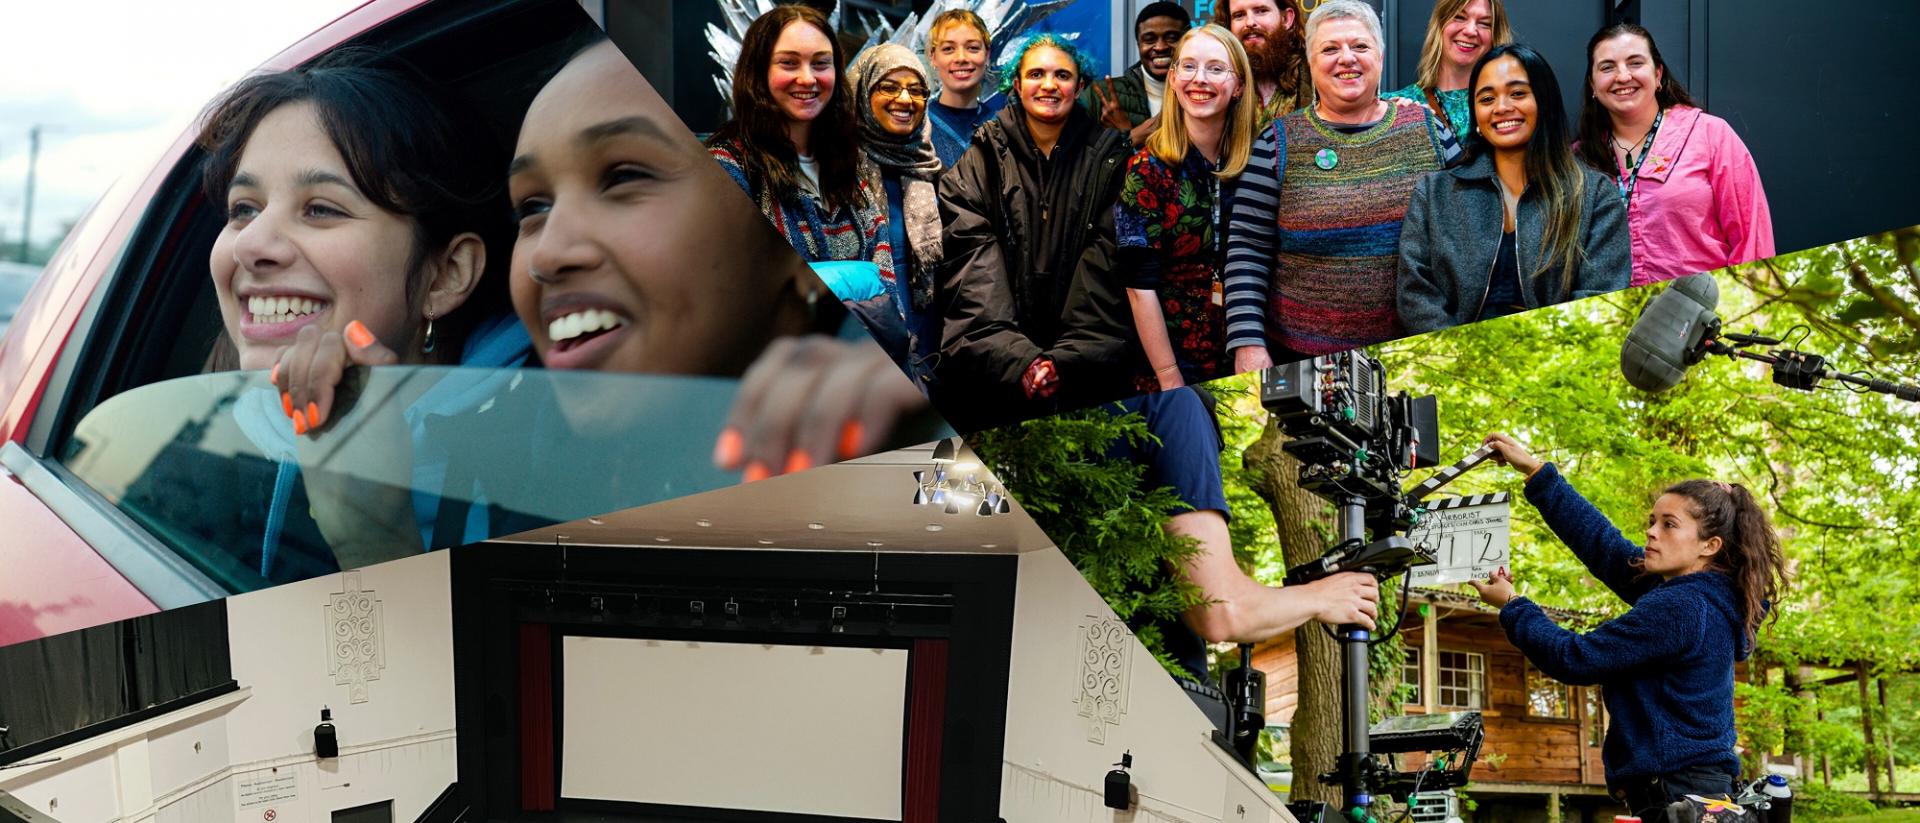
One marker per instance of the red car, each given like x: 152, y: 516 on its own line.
x: 126, y: 482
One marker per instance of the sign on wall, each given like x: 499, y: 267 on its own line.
x: 261, y: 792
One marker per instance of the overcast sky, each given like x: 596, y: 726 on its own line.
x: 114, y: 82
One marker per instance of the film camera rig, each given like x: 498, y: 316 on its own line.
x: 1356, y: 441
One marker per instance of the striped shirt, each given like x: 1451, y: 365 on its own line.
x: 1310, y: 264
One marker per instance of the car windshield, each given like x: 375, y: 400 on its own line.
x: 209, y: 464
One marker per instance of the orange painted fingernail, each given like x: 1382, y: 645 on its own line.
x: 313, y: 414
x: 286, y: 403
x: 755, y: 471
x: 274, y: 376
x: 726, y: 452
x: 851, y: 436
x: 358, y: 335
x: 299, y: 423
x: 799, y: 461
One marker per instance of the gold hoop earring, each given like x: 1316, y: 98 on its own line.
x: 426, y: 344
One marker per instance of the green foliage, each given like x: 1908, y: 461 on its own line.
x: 1814, y: 802
x: 1838, y: 472
x: 1097, y: 513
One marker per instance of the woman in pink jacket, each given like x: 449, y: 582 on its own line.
x: 1694, y: 201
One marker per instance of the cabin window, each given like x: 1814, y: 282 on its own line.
x: 1463, y: 680
x: 1596, y: 717
x: 1547, y: 697
x: 1410, y: 678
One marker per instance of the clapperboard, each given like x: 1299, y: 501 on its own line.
x: 1467, y: 535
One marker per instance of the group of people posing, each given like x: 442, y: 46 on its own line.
x: 1245, y: 194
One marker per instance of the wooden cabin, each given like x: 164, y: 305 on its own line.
x: 1541, y: 759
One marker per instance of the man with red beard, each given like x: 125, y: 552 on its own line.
x: 1270, y: 31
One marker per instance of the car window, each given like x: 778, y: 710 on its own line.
x: 156, y: 316
x: 210, y: 467
x: 15, y: 279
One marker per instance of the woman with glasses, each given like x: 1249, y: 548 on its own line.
x: 1171, y: 249
x: 899, y: 160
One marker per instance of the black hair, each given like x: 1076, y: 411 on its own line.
x: 1162, y: 8
x: 408, y: 147
x: 1550, y: 163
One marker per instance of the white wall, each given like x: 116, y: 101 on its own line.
x: 1054, y: 772
x: 190, y: 766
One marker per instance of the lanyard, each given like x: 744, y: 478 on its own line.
x: 1629, y: 181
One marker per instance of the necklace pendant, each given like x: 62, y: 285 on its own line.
x: 1326, y: 159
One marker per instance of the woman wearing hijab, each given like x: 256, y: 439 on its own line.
x: 898, y: 158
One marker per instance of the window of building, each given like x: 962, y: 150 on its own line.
x: 1410, y: 678
x: 1547, y: 697
x: 1463, y: 680
x: 1596, y: 717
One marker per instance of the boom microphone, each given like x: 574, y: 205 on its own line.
x: 1671, y: 334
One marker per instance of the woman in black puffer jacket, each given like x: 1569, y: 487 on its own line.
x: 1032, y: 323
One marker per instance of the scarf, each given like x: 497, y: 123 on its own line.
x: 911, y: 157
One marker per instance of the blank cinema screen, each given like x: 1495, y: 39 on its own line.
x: 796, y: 729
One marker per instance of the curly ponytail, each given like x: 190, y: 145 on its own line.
x: 1749, y: 547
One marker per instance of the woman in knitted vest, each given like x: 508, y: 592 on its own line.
x: 1697, y: 593
x: 1312, y: 245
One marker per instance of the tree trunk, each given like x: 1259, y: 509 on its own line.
x: 1893, y: 786
x: 1302, y: 521
x: 1797, y: 682
x: 1826, y: 766
x: 1866, y: 728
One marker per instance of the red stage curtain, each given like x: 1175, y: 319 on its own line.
x: 926, y: 719
x: 537, y: 789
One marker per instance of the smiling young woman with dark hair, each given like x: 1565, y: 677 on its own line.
x: 1691, y: 188
x: 1521, y: 224
x: 792, y: 144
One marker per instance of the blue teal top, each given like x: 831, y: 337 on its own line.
x: 1457, y: 103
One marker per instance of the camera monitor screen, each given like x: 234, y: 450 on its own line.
x: 795, y: 729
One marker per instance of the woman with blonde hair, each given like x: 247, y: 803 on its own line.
x: 1459, y: 33
x: 961, y: 53
x: 1171, y: 248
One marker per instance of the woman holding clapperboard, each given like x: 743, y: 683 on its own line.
x: 1698, y: 591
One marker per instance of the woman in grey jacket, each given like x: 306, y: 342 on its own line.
x: 1521, y: 224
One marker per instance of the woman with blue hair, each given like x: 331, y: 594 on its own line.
x: 1032, y: 322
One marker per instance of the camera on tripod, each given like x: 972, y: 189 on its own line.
x: 1352, y: 437
x: 1356, y: 441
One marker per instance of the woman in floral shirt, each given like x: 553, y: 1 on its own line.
x: 1171, y: 249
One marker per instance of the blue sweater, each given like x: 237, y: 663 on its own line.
x: 1665, y: 667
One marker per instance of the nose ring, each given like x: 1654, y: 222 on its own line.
x: 544, y: 279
